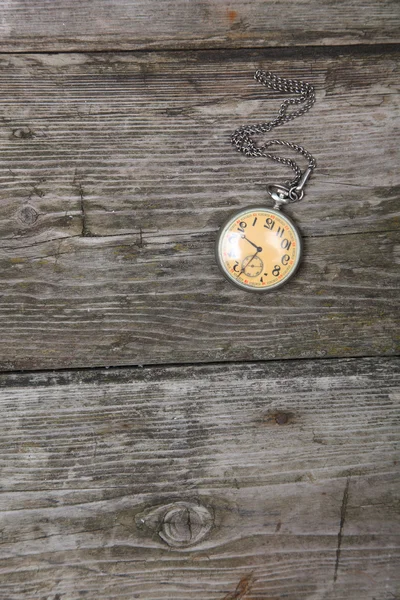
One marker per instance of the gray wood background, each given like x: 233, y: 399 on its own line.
x: 127, y: 25
x: 162, y: 435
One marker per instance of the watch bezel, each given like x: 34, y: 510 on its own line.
x: 218, y: 248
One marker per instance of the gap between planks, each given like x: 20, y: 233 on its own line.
x: 175, y: 365
x: 281, y: 52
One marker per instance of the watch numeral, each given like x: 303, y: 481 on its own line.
x: 285, y: 259
x: 276, y: 270
x: 280, y: 232
x: 235, y: 268
x: 255, y: 221
x: 233, y: 236
x: 285, y: 244
x: 242, y: 226
x: 269, y: 223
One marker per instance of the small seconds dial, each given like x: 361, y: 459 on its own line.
x: 258, y: 249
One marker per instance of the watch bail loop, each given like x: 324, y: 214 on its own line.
x: 279, y: 193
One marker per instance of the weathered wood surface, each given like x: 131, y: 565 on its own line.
x: 258, y: 481
x: 109, y: 25
x: 116, y: 172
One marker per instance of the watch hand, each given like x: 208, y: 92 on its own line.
x: 259, y: 249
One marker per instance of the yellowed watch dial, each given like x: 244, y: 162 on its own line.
x: 258, y: 249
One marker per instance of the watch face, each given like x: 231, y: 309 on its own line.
x: 258, y: 249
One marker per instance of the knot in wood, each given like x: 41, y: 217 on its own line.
x: 281, y: 418
x: 23, y: 133
x: 179, y: 524
x: 28, y: 215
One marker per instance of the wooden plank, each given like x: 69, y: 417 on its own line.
x: 142, y: 141
x: 274, y: 480
x: 116, y: 173
x: 85, y: 301
x: 39, y: 25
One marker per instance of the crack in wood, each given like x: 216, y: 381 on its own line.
x: 140, y: 244
x: 85, y: 232
x: 33, y: 244
x: 343, y: 510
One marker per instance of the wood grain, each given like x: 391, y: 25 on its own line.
x: 142, y: 141
x: 222, y: 481
x: 116, y: 173
x: 288, y: 470
x: 42, y: 26
x: 89, y: 302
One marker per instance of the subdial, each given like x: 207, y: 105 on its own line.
x: 252, y: 266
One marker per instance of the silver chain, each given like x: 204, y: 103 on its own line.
x: 244, y: 142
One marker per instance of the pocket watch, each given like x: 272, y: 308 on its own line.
x: 259, y: 248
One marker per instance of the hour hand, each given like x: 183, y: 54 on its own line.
x: 258, y: 248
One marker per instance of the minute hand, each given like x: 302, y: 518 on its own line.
x: 258, y: 248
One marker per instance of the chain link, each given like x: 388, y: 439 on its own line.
x: 242, y: 137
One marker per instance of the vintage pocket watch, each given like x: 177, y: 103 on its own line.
x: 259, y: 248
